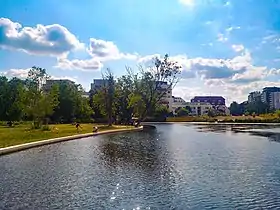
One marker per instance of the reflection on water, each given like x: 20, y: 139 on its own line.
x: 173, y: 167
x: 255, y: 130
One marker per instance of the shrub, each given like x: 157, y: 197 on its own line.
x: 46, y: 128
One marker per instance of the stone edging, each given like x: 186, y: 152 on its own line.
x: 16, y: 148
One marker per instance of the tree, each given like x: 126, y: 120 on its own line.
x: 4, y: 97
x: 97, y: 112
x: 181, y: 112
x: 16, y: 92
x: 148, y: 88
x: 122, y: 93
x: 235, y: 109
x: 72, y: 105
x: 38, y: 104
x: 105, y: 97
x: 211, y: 113
x: 38, y: 76
x: 277, y: 112
x: 84, y: 111
x: 257, y: 107
x: 161, y: 111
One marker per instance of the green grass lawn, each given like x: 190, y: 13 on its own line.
x: 23, y: 134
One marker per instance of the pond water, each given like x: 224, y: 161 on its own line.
x: 176, y: 166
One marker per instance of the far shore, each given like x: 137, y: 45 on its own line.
x: 213, y: 123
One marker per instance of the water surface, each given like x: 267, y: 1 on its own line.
x: 176, y: 166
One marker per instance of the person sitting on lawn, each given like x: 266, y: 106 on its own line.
x: 95, y: 129
x: 78, y: 126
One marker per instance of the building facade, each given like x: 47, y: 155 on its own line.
x: 178, y: 102
x: 199, y: 108
x: 218, y: 103
x: 98, y: 84
x: 213, y: 100
x: 269, y: 96
x: 275, y: 101
x: 50, y: 83
x: 254, y: 96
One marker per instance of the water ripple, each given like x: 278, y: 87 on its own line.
x: 173, y: 167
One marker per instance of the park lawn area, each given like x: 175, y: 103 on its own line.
x: 22, y: 133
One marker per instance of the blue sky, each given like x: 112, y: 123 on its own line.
x: 226, y: 47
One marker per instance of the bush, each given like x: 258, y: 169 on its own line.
x: 46, y: 128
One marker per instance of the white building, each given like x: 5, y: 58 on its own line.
x: 199, y: 109
x: 275, y: 100
x: 167, y: 96
x: 178, y: 102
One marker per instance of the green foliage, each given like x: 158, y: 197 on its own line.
x: 123, y: 110
x: 132, y: 95
x: 211, y: 113
x: 39, y: 105
x: 105, y: 98
x: 161, y: 112
x: 277, y: 112
x: 236, y: 109
x: 21, y: 100
x: 257, y: 107
x: 181, y: 112
x: 147, y: 91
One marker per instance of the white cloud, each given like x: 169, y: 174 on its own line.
x: 209, y: 68
x: 182, y: 61
x: 227, y: 4
x: 100, y: 51
x: 220, y: 76
x: 19, y: 73
x: 238, y: 92
x: 232, y: 28
x: 222, y: 38
x: 107, y: 50
x: 237, y: 48
x: 187, y: 2
x: 51, y: 40
x: 76, y: 64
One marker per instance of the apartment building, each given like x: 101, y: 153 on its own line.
x: 254, y: 96
x: 270, y: 96
x: 199, y: 108
x: 98, y: 84
x: 50, y: 83
x: 217, y: 103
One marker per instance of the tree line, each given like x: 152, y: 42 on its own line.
x: 135, y: 95
x: 253, y: 108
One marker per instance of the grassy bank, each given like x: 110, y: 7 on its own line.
x: 267, y: 118
x: 23, y: 134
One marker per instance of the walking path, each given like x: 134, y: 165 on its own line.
x: 16, y: 148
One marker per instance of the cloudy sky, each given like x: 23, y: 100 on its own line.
x: 226, y: 47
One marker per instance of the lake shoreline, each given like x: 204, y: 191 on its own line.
x: 25, y: 146
x: 213, y: 123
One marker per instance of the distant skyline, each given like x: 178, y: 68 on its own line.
x: 226, y: 47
